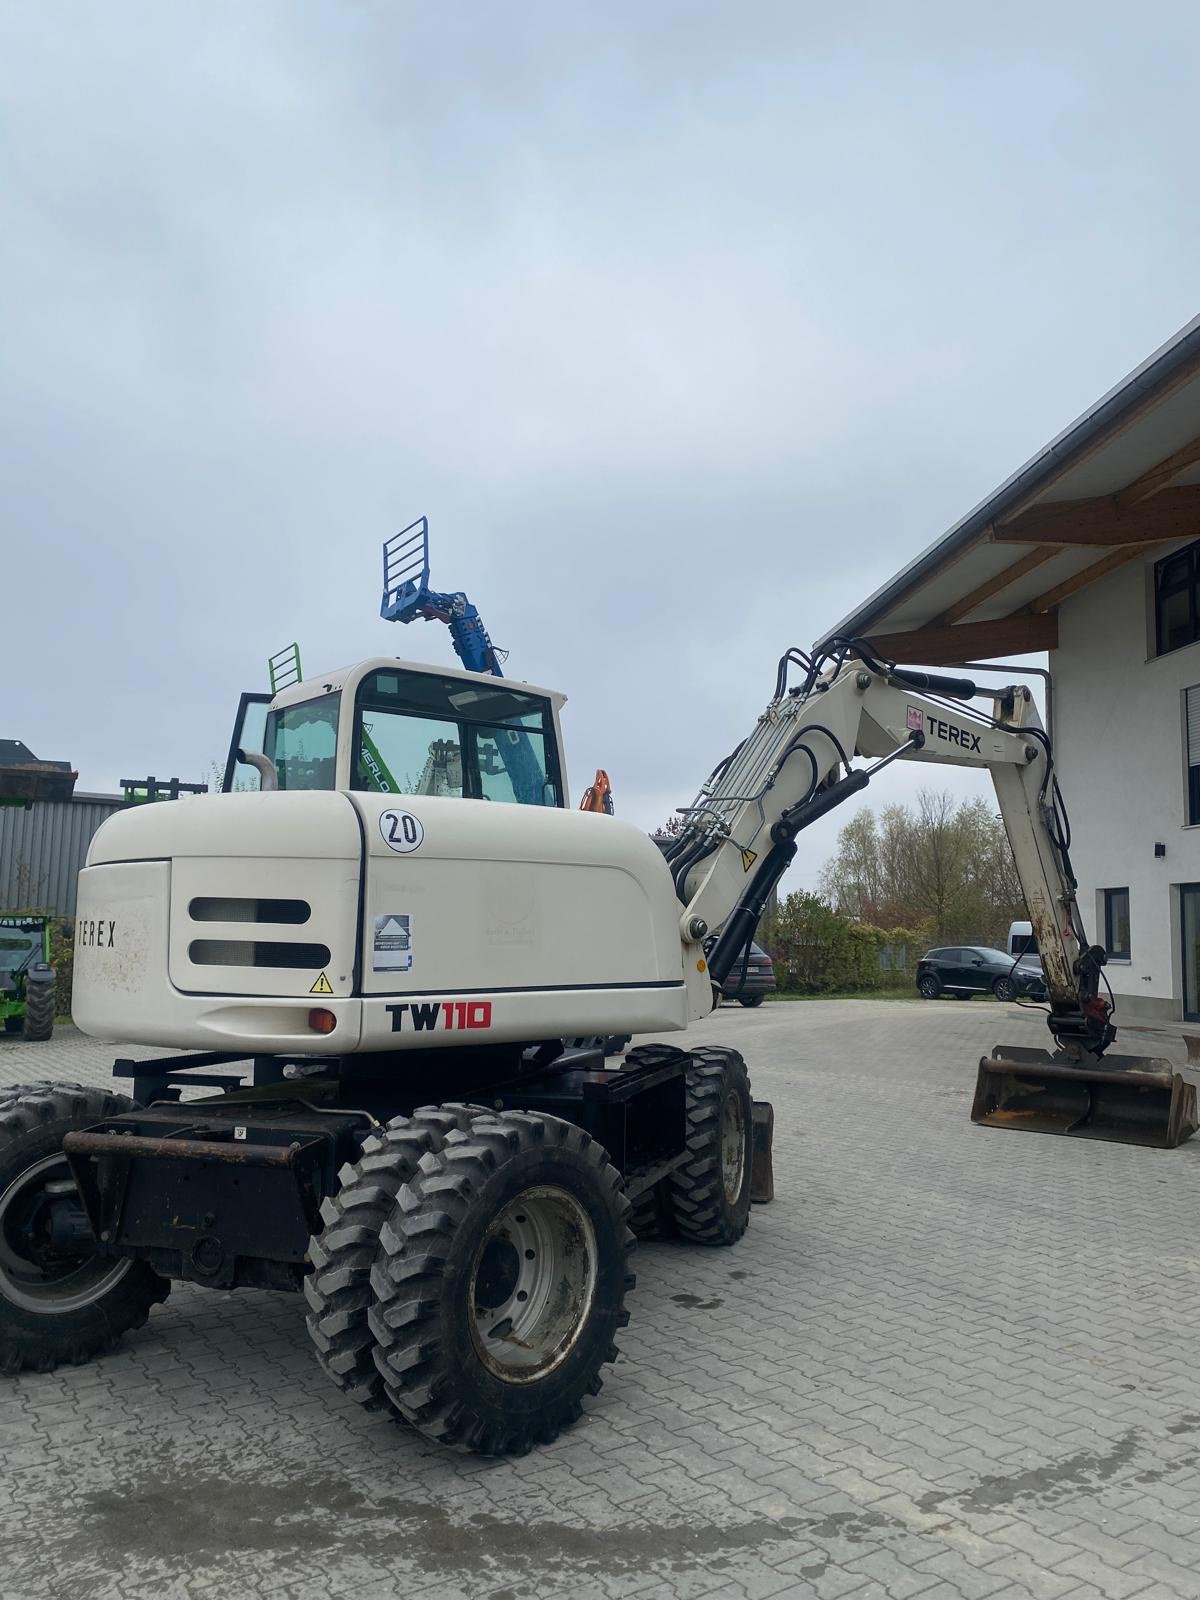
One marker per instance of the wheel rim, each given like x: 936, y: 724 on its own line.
x: 533, y: 1284
x: 1004, y: 990
x: 33, y: 1273
x: 928, y: 988
x: 733, y: 1146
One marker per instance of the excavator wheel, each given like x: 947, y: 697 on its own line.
x: 710, y: 1193
x: 60, y: 1300
x: 651, y: 1217
x: 338, y: 1289
x: 500, y: 1283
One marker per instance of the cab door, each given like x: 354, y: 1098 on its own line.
x: 249, y: 728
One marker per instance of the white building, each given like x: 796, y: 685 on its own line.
x: 1091, y: 553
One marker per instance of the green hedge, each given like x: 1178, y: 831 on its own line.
x: 816, y: 950
x: 62, y: 959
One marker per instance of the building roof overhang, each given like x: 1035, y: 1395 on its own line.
x: 1121, y: 479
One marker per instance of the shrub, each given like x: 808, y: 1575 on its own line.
x: 817, y: 950
x: 62, y: 959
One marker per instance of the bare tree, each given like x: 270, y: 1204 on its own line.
x: 943, y: 865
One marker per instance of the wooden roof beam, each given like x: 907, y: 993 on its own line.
x: 1170, y: 514
x: 994, y: 585
x: 1024, y: 633
x: 1159, y: 477
x: 1080, y: 580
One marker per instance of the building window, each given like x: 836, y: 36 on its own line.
x: 1191, y: 721
x: 1116, y: 923
x: 1176, y: 604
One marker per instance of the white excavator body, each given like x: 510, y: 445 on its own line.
x: 232, y: 922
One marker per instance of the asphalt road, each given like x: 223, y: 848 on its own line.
x: 947, y: 1362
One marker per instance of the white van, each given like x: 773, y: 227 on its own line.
x: 1021, y: 941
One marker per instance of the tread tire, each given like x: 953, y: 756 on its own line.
x: 424, y: 1345
x: 701, y: 1209
x: 650, y: 1217
x: 338, y: 1289
x: 33, y: 1123
x: 39, y: 1012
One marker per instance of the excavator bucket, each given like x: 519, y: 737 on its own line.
x: 1127, y: 1099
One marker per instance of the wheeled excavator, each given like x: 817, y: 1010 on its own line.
x: 377, y: 1105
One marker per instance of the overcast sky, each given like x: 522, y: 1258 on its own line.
x: 686, y: 324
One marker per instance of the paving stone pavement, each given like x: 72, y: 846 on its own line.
x: 947, y: 1362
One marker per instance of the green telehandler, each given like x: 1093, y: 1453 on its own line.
x: 26, y: 976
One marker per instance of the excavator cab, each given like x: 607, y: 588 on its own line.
x: 388, y: 727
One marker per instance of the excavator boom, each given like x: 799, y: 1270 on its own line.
x: 797, y: 765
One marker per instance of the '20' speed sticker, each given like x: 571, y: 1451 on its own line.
x: 401, y: 831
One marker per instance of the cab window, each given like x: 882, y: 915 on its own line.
x: 302, y: 742
x: 423, y: 734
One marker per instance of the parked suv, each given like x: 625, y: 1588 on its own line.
x: 964, y: 970
x: 759, y: 979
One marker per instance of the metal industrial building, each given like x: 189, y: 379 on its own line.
x: 1091, y: 552
x: 43, y: 848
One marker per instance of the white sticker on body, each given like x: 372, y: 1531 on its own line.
x: 401, y: 831
x: 392, y: 950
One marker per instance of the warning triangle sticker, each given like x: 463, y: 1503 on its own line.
x: 391, y: 928
x: 322, y: 986
x: 749, y: 857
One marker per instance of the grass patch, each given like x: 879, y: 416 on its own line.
x: 847, y: 994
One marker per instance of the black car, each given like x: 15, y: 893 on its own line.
x: 759, y: 978
x: 964, y: 970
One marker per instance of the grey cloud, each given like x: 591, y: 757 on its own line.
x: 686, y: 325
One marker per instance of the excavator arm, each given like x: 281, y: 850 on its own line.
x: 799, y: 763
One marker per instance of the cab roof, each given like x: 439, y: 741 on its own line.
x: 349, y: 678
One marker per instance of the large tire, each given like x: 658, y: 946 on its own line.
x: 18, y: 1091
x: 57, y: 1305
x: 710, y: 1193
x: 650, y: 1216
x: 338, y: 1289
x: 39, y: 1011
x: 500, y: 1283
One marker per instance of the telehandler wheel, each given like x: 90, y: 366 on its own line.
x: 500, y: 1283
x: 710, y: 1193
x: 39, y: 1011
x: 59, y: 1300
x: 338, y: 1290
